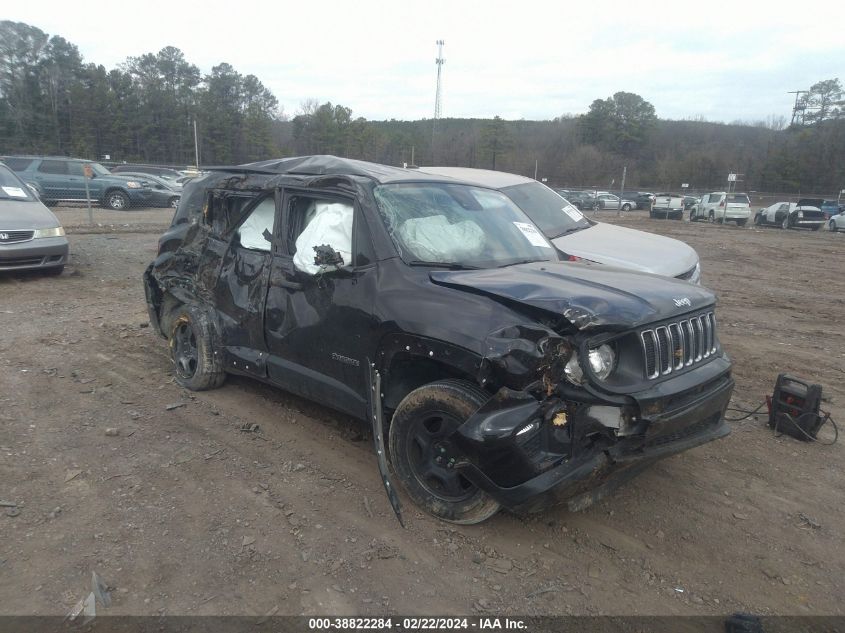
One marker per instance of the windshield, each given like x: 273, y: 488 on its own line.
x: 459, y: 225
x: 12, y: 187
x: 99, y: 170
x: 553, y: 214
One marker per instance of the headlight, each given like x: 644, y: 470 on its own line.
x: 602, y: 361
x: 54, y: 232
x: 133, y: 185
x: 800, y: 214
x: 695, y: 278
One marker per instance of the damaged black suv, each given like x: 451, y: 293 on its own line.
x: 437, y: 312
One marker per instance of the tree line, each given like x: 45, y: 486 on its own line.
x: 53, y: 102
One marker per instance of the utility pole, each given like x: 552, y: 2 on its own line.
x: 437, y: 99
x: 622, y: 189
x: 196, y: 146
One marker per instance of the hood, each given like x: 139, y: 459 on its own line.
x: 21, y: 215
x: 629, y: 249
x: 588, y: 296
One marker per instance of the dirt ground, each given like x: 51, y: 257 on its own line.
x: 116, y: 469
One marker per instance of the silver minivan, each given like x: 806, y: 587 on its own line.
x: 578, y: 237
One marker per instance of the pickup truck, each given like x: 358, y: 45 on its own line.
x: 667, y: 205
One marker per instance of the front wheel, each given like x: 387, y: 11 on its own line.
x: 758, y: 219
x: 693, y: 217
x: 423, y: 457
x: 785, y: 223
x: 196, y: 361
x: 626, y: 207
x: 117, y: 201
x: 832, y: 226
x: 173, y: 202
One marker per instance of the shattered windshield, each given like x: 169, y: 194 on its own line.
x: 459, y: 225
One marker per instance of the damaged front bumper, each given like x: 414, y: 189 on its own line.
x: 529, y: 454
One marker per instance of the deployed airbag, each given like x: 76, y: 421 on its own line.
x: 435, y: 239
x: 332, y: 226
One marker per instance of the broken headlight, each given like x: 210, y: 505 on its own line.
x: 602, y: 361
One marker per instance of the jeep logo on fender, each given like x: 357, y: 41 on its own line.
x: 683, y: 301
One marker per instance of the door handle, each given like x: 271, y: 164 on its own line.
x: 286, y: 283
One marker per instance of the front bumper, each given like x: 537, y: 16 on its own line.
x: 807, y: 223
x: 528, y: 472
x: 43, y: 252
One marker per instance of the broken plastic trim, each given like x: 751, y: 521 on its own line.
x: 377, y: 421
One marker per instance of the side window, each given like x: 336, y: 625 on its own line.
x: 53, y: 167
x: 319, y: 222
x: 17, y: 164
x: 260, y: 219
x: 75, y: 169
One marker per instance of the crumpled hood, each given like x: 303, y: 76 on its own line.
x: 630, y: 249
x: 588, y: 296
x: 22, y: 215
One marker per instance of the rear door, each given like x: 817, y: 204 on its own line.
x: 52, y: 178
x: 319, y: 322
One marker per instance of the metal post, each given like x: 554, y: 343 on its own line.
x: 196, y: 146
x: 624, y: 174
x: 86, y: 174
x: 412, y: 155
x: 536, y: 163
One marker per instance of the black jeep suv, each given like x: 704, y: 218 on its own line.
x: 437, y: 312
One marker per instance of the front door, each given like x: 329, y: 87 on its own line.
x: 319, y: 323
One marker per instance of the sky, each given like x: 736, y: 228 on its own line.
x: 720, y: 61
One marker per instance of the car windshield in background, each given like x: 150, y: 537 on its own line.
x: 12, y: 187
x: 553, y: 214
x: 739, y: 198
x: 459, y: 225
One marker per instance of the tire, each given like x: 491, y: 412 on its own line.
x: 693, y: 217
x: 626, y: 207
x: 785, y: 223
x: 196, y: 363
x: 117, y: 201
x: 421, y: 421
x: 711, y: 218
x: 173, y: 202
x: 832, y: 226
x: 54, y: 271
x: 758, y: 219
x: 741, y: 222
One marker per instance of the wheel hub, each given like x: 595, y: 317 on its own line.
x: 432, y: 460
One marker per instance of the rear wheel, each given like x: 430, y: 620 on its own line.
x: 421, y: 454
x: 832, y: 226
x: 626, y: 207
x: 117, y: 201
x: 173, y: 202
x: 196, y: 362
x: 785, y: 223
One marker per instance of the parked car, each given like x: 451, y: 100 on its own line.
x: 605, y: 200
x: 804, y: 214
x: 165, y: 193
x: 667, y: 205
x: 643, y: 199
x: 31, y: 236
x: 577, y: 237
x: 690, y: 202
x: 720, y: 207
x: 165, y: 173
x: 436, y: 311
x: 831, y: 208
x: 581, y: 200
x: 837, y: 222
x: 59, y: 179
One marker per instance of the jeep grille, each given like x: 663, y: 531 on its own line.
x: 674, y: 346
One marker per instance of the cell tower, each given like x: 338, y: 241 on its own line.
x: 439, y: 61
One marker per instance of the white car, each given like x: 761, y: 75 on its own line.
x: 837, y: 222
x: 720, y: 207
x: 610, y: 201
x: 804, y: 214
x: 578, y: 237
